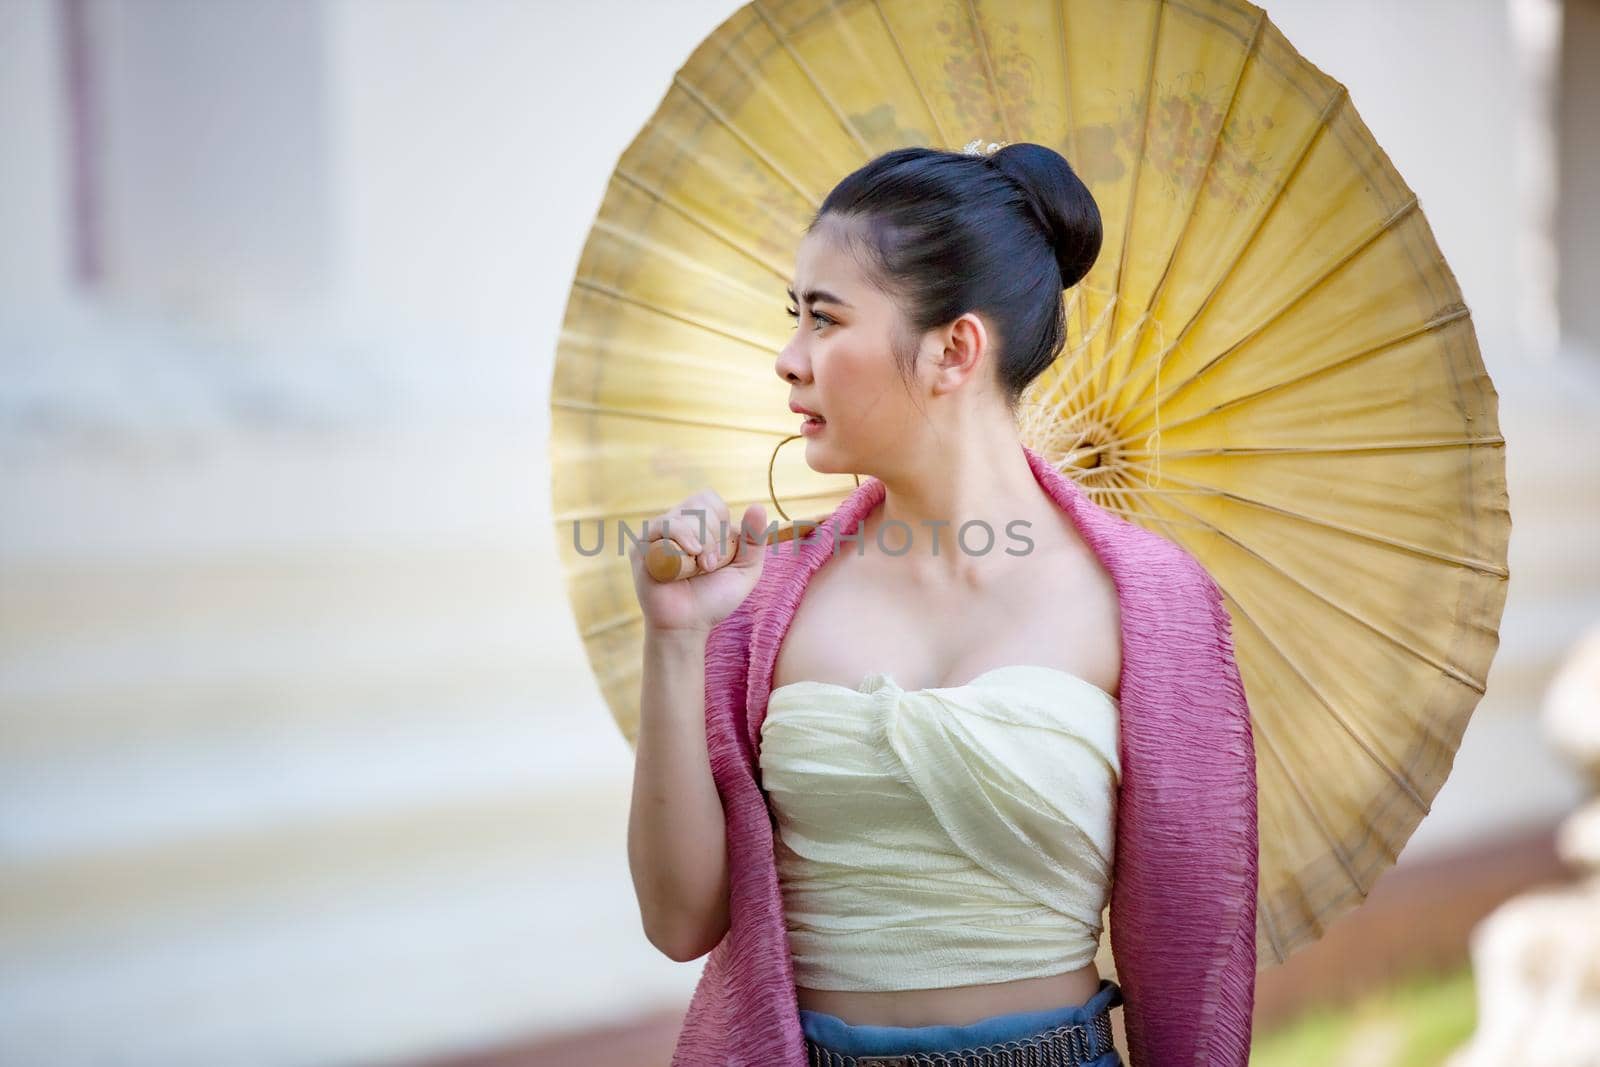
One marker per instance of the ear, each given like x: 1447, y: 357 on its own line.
x: 967, y: 346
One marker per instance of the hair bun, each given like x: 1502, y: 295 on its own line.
x: 1059, y: 200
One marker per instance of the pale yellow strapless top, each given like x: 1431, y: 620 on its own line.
x: 944, y: 836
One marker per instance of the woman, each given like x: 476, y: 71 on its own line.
x: 938, y: 741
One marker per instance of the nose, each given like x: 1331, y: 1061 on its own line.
x: 792, y: 365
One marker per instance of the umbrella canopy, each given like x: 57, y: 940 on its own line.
x: 1271, y: 363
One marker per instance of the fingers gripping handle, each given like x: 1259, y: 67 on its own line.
x: 665, y: 562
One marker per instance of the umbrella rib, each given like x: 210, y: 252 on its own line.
x: 1077, y: 311
x: 1406, y: 787
x: 1216, y: 143
x: 1154, y: 493
x: 675, y: 256
x: 1066, y: 81
x: 1138, y: 175
x: 1328, y: 110
x: 750, y: 146
x: 1100, y: 409
x: 1273, y: 937
x: 1438, y: 322
x: 1090, y: 331
x: 1108, y: 351
x: 1080, y: 455
x: 1476, y: 685
x: 1288, y: 662
x: 1264, y: 731
x: 805, y: 69
x: 1134, y: 497
x: 1490, y: 440
x: 1349, y: 257
x: 666, y: 312
x: 697, y: 221
x: 1119, y: 465
x: 916, y: 83
x: 988, y: 69
x: 1482, y: 566
x: 1147, y: 513
x: 656, y: 416
x: 1111, y: 446
x: 1116, y: 464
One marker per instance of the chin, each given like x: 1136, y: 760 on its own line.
x: 823, y: 459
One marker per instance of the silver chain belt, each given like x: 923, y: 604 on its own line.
x: 1066, y: 1045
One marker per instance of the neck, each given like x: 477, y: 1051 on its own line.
x: 982, y: 479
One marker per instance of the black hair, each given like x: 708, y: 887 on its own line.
x: 944, y: 233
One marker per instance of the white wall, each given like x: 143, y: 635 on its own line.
x: 35, y: 255
x: 302, y: 757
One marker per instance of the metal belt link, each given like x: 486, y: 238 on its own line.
x: 1067, y: 1045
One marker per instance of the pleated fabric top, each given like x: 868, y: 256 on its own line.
x: 943, y: 836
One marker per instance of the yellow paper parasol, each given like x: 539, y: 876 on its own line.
x: 1270, y: 363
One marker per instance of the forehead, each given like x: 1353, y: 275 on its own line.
x: 823, y: 261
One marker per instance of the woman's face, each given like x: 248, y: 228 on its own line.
x: 841, y: 362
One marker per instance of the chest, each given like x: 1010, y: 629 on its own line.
x: 1060, y: 610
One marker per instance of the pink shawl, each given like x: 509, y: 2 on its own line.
x: 1183, y: 897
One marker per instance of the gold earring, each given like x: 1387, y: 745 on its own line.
x: 773, y: 493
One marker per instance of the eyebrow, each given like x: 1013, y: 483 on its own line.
x: 815, y: 295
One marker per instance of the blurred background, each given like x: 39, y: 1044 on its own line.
x: 301, y: 761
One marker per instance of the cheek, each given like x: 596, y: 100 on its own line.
x: 867, y: 398
x: 855, y: 377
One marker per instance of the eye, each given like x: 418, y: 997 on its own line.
x: 821, y: 317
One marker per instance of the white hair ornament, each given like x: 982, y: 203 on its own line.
x: 975, y: 147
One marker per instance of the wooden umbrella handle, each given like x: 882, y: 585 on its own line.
x: 666, y: 564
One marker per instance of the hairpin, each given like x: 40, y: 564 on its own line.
x: 975, y: 147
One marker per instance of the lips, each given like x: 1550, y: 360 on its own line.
x: 797, y: 409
